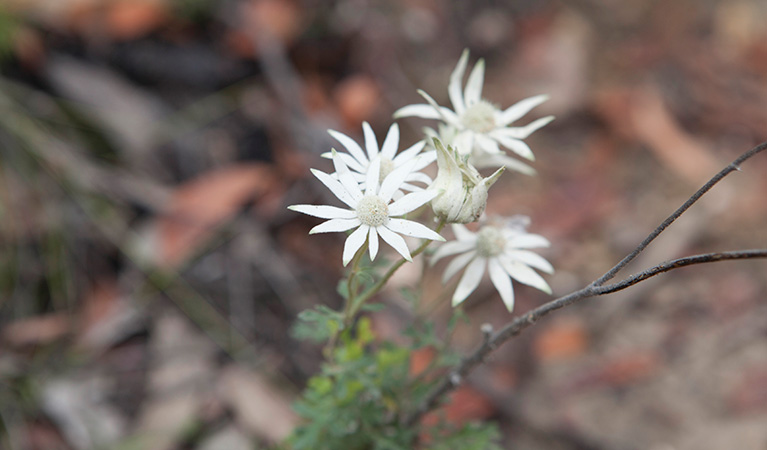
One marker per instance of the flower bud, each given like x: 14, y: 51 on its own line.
x: 462, y: 190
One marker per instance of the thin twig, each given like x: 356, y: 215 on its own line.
x: 735, y: 165
x: 452, y: 379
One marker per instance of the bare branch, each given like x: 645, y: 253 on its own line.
x: 735, y: 165
x: 596, y: 288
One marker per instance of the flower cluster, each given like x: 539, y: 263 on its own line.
x: 381, y: 185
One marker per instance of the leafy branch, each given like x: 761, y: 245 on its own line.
x: 493, y: 341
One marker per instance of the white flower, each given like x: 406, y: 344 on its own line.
x: 502, y: 249
x: 359, y: 161
x: 462, y: 190
x: 372, y: 213
x: 479, y: 127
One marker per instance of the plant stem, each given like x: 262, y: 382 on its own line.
x: 380, y: 284
x: 351, y: 293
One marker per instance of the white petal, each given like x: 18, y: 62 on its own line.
x: 522, y: 132
x: 409, y: 153
x: 488, y: 145
x: 412, y: 229
x: 470, y: 280
x: 345, y: 177
x: 454, y: 88
x: 324, y: 211
x: 391, y: 142
x: 519, y: 109
x: 458, y: 263
x: 411, y: 202
x: 528, y: 241
x: 335, y: 187
x: 444, y: 113
x: 502, y: 283
x: 372, y: 176
x: 524, y: 274
x: 463, y: 234
x: 354, y: 149
x: 451, y: 248
x: 405, y: 187
x: 394, y: 180
x: 516, y: 146
x: 373, y: 242
x: 474, y: 86
x: 533, y: 260
x: 464, y: 142
x: 348, y: 159
x: 354, y: 242
x: 419, y: 177
x: 425, y: 159
x: 335, y: 225
x: 502, y: 160
x: 371, y: 144
x: 419, y: 110
x: 396, y: 242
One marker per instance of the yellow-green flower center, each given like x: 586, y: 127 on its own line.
x: 479, y: 117
x: 490, y: 242
x: 387, y: 165
x: 373, y: 211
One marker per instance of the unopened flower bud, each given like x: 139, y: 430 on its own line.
x: 462, y: 190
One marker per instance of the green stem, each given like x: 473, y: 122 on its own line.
x: 380, y: 284
x: 351, y: 293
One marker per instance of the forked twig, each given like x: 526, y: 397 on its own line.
x: 453, y: 378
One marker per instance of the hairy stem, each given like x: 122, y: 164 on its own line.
x: 452, y: 379
x: 382, y: 282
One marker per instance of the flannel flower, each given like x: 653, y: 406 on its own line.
x: 371, y: 212
x: 359, y: 161
x: 502, y: 249
x: 477, y: 127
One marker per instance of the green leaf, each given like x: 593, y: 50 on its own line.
x: 317, y: 324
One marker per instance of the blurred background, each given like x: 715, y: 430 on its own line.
x: 150, y: 273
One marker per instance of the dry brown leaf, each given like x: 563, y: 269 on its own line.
x: 618, y: 371
x: 357, y: 98
x: 562, y: 339
x: 105, y: 317
x: 258, y: 407
x: 465, y: 404
x: 179, y: 382
x: 199, y: 206
x: 131, y: 19
x: 420, y: 360
x: 654, y: 126
x: 750, y: 394
x: 282, y: 19
x: 38, y: 330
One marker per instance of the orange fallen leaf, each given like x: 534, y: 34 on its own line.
x: 560, y: 340
x: 281, y: 19
x: 357, y: 98
x: 465, y: 404
x: 131, y: 19
x: 420, y: 360
x: 38, y: 330
x: 198, y: 207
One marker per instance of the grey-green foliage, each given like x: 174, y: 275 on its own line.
x: 363, y: 391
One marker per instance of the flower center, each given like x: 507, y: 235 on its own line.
x: 387, y: 165
x: 373, y: 211
x: 479, y: 117
x: 490, y: 242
